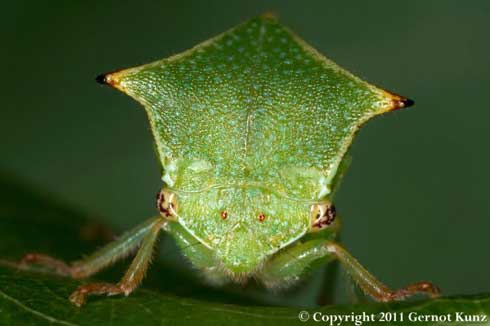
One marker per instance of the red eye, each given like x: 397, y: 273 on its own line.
x: 262, y: 217
x: 224, y: 215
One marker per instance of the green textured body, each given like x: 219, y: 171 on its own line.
x: 252, y: 129
x: 253, y: 121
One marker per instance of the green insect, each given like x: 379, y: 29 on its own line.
x: 252, y: 129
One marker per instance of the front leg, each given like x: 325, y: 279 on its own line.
x: 288, y: 266
x: 104, y: 257
x: 143, y: 235
x: 134, y: 275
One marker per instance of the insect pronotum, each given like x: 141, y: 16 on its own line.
x: 252, y: 129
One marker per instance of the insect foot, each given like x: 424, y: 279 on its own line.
x: 416, y: 288
x: 79, y: 297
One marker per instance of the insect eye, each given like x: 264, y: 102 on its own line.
x: 167, y: 204
x: 261, y: 217
x: 322, y: 215
x: 224, y: 215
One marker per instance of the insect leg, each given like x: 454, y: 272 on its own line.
x: 100, y: 259
x: 133, y: 275
x: 288, y: 265
x: 370, y: 285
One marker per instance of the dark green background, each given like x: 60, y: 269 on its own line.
x: 415, y: 201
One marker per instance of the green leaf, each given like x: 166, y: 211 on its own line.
x: 29, y: 221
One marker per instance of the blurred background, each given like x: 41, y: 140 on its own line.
x: 415, y: 201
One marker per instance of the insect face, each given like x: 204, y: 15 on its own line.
x: 242, y: 225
